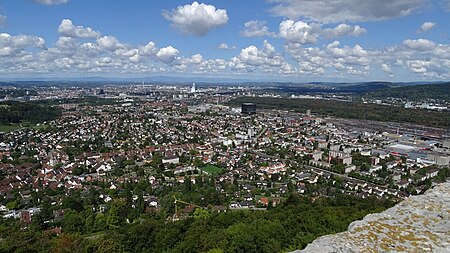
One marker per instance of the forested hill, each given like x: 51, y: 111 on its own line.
x: 32, y: 112
x: 351, y: 110
x: 286, y: 227
x: 439, y: 91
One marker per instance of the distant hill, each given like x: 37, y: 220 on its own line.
x: 351, y: 110
x: 327, y: 88
x: 417, y: 92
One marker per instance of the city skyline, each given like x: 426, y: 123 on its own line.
x: 283, y: 40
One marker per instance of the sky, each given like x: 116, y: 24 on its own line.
x: 261, y: 40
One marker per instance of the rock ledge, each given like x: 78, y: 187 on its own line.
x: 418, y: 224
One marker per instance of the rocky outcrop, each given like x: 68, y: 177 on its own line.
x: 418, y: 224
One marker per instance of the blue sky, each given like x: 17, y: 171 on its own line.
x: 282, y: 40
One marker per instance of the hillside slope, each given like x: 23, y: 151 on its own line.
x: 440, y: 91
x: 418, y: 224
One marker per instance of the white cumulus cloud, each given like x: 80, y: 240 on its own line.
x: 167, y: 54
x: 196, y: 19
x: 419, y: 44
x: 67, y: 29
x: 51, y: 2
x: 13, y: 45
x: 255, y: 28
x: 109, y: 43
x: 225, y: 46
x: 425, y: 27
x: 344, y: 30
x: 334, y: 11
x: 265, y: 59
x: 308, y: 33
x: 148, y: 50
x: 299, y: 32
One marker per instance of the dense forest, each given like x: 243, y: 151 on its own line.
x: 31, y: 112
x: 328, y: 88
x: 440, y: 91
x: 351, y: 110
x: 286, y: 227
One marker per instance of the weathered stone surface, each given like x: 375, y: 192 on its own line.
x: 418, y: 224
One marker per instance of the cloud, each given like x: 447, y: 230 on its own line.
x: 224, y: 46
x: 67, y: 44
x: 333, y: 57
x: 304, y: 33
x: 255, y: 28
x: 167, y: 54
x: 196, y: 19
x: 419, y: 44
x: 109, y: 43
x: 266, y: 59
x: 344, y: 30
x: 51, y: 2
x: 425, y: 27
x: 14, y: 45
x: 72, y: 54
x: 3, y: 19
x: 148, y: 50
x: 67, y: 29
x: 386, y: 68
x: 418, y: 66
x: 334, y: 11
x: 299, y: 32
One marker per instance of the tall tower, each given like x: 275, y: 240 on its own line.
x: 193, y: 88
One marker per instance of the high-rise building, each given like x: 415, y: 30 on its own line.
x: 248, y: 108
x: 193, y: 88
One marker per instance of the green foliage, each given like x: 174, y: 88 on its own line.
x: 113, y: 220
x: 288, y: 226
x: 439, y: 91
x: 33, y: 112
x: 444, y: 173
x: 201, y: 213
x: 339, y: 168
x: 73, y: 222
x: 12, y: 205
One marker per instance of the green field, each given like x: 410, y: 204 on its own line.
x: 9, y: 128
x: 211, y: 169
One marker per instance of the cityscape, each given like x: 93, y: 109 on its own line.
x: 114, y: 146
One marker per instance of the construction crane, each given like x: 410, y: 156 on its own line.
x: 175, y: 215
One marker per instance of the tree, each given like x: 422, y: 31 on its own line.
x: 198, y: 162
x: 78, y: 171
x: 444, y: 173
x: 108, y: 245
x: 113, y: 220
x: 73, y: 222
x: 12, y: 205
x: 201, y: 213
x: 46, y: 211
x: 101, y: 222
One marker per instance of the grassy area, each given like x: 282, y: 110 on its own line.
x: 211, y: 169
x: 9, y: 128
x: 40, y: 126
x: 14, y: 126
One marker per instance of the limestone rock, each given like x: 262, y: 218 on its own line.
x: 418, y: 224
